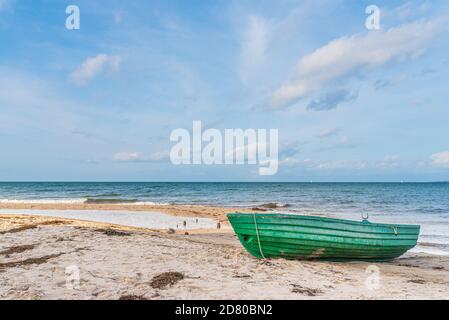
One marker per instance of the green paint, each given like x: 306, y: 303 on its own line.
x: 308, y: 237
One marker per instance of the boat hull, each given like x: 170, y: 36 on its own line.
x: 309, y: 237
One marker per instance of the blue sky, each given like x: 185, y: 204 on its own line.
x: 99, y: 103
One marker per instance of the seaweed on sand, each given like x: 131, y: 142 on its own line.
x: 132, y: 297
x: 36, y: 261
x: 30, y: 261
x: 417, y: 281
x: 33, y: 226
x: 303, y: 290
x: 16, y: 249
x: 112, y: 232
x: 166, y: 279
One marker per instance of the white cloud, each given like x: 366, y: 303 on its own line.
x: 264, y: 38
x: 440, y: 159
x: 293, y: 162
x: 355, y: 164
x: 254, y: 44
x: 140, y: 157
x: 346, y: 55
x: 331, y: 100
x: 387, y: 163
x: 94, y: 66
x: 391, y: 158
x: 28, y: 101
x: 343, y: 143
x: 318, y: 165
x: 328, y: 133
x: 406, y: 11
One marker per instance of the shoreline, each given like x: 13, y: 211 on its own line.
x: 188, y: 211
x: 200, y: 211
x: 118, y: 262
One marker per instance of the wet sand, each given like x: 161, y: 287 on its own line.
x: 139, y: 219
x: 217, y: 213
x: 40, y: 256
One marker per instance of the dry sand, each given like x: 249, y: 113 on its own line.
x: 118, y: 262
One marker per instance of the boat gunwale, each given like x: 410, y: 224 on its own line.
x: 263, y: 225
x: 329, y: 219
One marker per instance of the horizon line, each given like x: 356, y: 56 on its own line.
x: 128, y: 181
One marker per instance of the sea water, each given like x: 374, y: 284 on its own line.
x: 426, y: 204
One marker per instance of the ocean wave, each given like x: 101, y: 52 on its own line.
x: 433, y: 244
x: 114, y: 201
x: 430, y: 250
x: 103, y: 195
x: 109, y: 201
x: 150, y: 203
x: 274, y: 205
x: 128, y: 202
x: 42, y: 201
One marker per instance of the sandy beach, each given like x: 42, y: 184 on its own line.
x: 200, y: 211
x: 39, y: 256
x: 130, y: 133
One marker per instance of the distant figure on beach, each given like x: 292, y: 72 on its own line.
x: 184, y: 223
x: 218, y: 225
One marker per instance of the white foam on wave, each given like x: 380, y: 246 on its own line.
x: 43, y: 201
x: 429, y: 250
x: 78, y: 201
x: 145, y: 203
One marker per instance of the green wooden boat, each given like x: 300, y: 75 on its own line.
x: 293, y: 236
